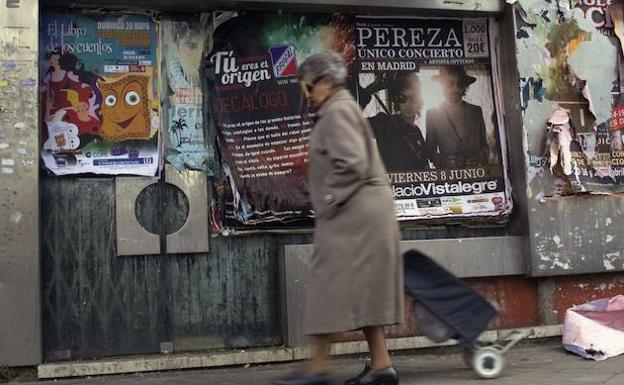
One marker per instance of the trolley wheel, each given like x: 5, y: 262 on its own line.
x: 488, y: 362
x: 467, y: 356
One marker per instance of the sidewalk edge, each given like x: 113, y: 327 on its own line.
x: 178, y: 361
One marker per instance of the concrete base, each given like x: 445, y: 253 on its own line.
x: 179, y: 361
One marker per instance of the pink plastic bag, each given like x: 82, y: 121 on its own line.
x: 595, y: 330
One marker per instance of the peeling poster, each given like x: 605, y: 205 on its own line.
x: 184, y: 43
x: 569, y: 63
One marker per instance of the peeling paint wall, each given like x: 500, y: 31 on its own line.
x: 20, y: 337
x: 568, y: 57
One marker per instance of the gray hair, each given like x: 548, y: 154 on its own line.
x: 326, y: 64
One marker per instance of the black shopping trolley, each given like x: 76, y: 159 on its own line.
x: 445, y: 307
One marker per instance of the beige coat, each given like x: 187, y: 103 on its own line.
x: 356, y: 272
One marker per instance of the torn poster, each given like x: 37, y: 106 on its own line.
x: 569, y: 62
x: 183, y: 47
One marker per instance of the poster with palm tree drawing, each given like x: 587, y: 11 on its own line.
x: 184, y: 43
x: 175, y: 132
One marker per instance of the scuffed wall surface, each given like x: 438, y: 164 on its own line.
x: 577, y: 235
x: 515, y: 299
x: 19, y: 250
x: 568, y: 57
x: 576, y: 290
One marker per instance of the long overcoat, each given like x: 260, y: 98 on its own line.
x: 355, y: 275
x: 460, y: 145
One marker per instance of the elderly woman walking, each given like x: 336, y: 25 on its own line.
x: 355, y: 281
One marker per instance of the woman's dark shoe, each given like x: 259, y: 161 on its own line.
x: 303, y: 378
x: 386, y: 376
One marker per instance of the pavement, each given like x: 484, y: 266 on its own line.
x: 539, y: 362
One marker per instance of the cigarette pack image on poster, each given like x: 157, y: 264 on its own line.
x: 258, y: 108
x: 99, y: 100
x: 426, y: 86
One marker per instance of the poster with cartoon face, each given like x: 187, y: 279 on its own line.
x: 98, y: 93
x: 125, y: 110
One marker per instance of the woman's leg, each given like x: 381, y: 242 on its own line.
x: 376, y: 338
x: 316, y: 369
x: 319, y: 362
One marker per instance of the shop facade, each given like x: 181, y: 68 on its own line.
x: 196, y: 236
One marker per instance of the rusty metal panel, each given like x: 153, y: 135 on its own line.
x: 20, y: 336
x: 515, y: 299
x: 577, y: 235
x: 95, y: 303
x: 230, y: 297
x: 569, y: 291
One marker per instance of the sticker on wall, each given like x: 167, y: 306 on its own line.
x: 29, y: 82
